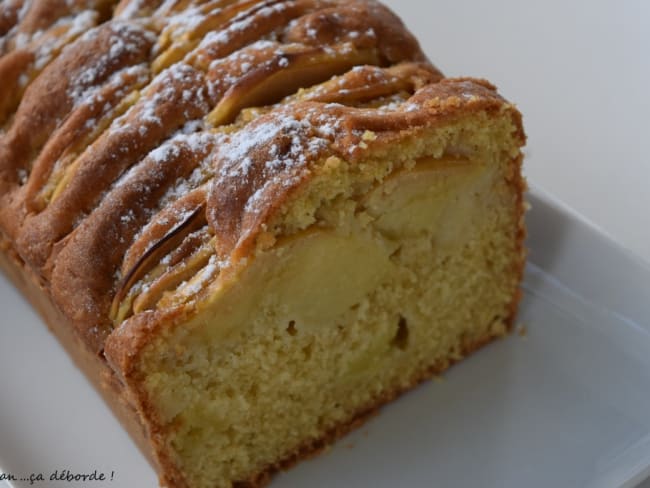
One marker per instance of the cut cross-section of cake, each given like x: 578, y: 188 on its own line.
x: 356, y: 254
x: 252, y: 223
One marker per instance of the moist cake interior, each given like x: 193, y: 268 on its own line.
x: 393, y: 268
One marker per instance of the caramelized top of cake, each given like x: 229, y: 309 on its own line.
x: 146, y: 142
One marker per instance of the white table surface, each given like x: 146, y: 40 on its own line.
x: 579, y: 70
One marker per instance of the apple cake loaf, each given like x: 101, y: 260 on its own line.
x: 252, y: 222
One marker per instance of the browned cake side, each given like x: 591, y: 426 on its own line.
x: 150, y: 149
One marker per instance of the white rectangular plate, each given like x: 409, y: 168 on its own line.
x: 568, y: 404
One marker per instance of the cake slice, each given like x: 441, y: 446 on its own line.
x: 356, y: 253
x: 253, y: 223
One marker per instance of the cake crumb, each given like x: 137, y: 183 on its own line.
x: 522, y: 331
x: 369, y: 136
x: 499, y: 329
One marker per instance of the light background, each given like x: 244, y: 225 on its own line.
x: 579, y: 71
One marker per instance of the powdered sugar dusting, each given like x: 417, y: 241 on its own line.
x: 50, y: 45
x: 205, y: 142
x: 242, y: 22
x: 237, y: 162
x: 121, y: 82
x: 198, y: 143
x: 163, y: 90
x: 124, y: 38
x: 182, y: 23
x: 20, y: 14
x: 133, y: 9
x: 201, y: 279
x: 270, y: 154
x: 232, y: 67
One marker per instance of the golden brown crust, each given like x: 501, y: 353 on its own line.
x: 98, y: 110
x: 57, y: 106
x: 42, y: 30
x: 131, y: 9
x: 9, y: 15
